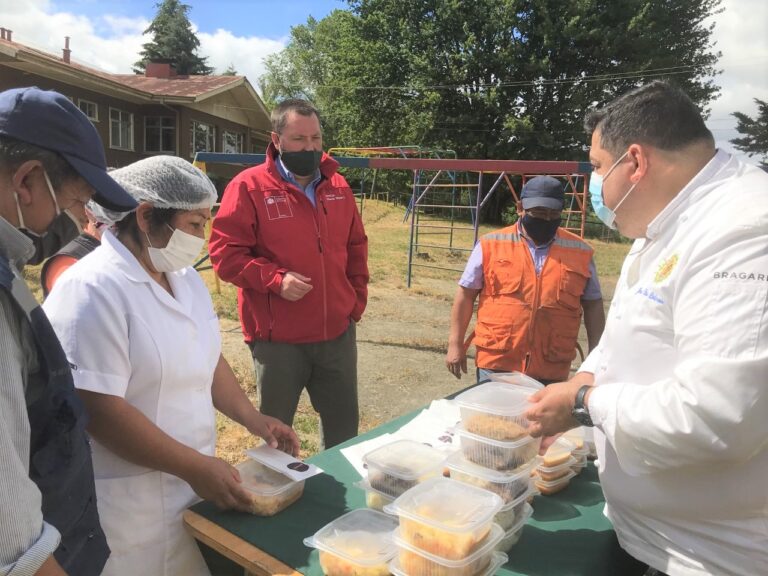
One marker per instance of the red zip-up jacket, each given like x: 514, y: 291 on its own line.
x: 266, y: 227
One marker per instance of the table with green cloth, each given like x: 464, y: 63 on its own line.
x: 567, y: 534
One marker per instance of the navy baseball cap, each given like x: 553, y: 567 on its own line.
x: 50, y: 120
x: 543, y: 192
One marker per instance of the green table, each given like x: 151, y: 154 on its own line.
x: 567, y: 535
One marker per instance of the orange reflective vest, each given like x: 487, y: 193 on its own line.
x: 528, y: 322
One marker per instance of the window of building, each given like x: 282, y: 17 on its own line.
x: 160, y: 134
x: 120, y: 129
x: 89, y: 108
x: 233, y: 142
x: 203, y: 138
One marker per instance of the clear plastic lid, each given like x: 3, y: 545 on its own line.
x: 497, y: 560
x: 489, y: 543
x: 501, y: 444
x: 530, y: 491
x: 362, y: 537
x: 456, y: 461
x: 496, y: 398
x: 544, y: 486
x: 517, y: 378
x: 406, y: 459
x: 447, y: 504
x: 261, y: 479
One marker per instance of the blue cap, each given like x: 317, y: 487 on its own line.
x: 543, y: 192
x: 50, y: 120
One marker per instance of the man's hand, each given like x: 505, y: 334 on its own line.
x: 294, y: 286
x: 275, y: 434
x: 551, y: 407
x: 456, y: 359
x: 215, y: 480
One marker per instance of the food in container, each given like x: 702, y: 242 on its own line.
x: 497, y: 454
x: 269, y: 490
x: 548, y: 488
x: 512, y: 535
x: 558, y: 453
x: 413, y: 560
x: 552, y: 473
x: 495, y: 410
x: 400, y: 465
x: 496, y: 561
x: 508, y: 485
x: 444, y: 517
x: 373, y: 498
x: 511, y: 513
x: 358, y: 543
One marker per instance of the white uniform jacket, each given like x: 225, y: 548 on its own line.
x: 126, y: 336
x: 682, y: 376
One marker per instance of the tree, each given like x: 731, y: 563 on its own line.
x: 755, y: 133
x: 230, y: 71
x: 173, y: 41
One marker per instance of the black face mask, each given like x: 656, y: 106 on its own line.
x: 62, y: 230
x: 539, y: 230
x: 303, y: 162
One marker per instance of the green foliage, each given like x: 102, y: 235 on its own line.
x: 488, y: 78
x: 755, y: 132
x: 230, y: 71
x: 173, y: 41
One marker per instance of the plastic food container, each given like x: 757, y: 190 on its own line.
x: 359, y: 543
x: 444, y: 517
x: 576, y: 437
x: 396, y: 467
x: 517, y: 379
x: 270, y: 491
x: 511, y: 513
x: 552, y: 473
x: 421, y: 563
x: 495, y: 410
x: 508, y: 485
x: 496, y: 454
x: 559, y: 452
x: 547, y: 488
x: 373, y: 498
x: 497, y: 559
x: 512, y: 535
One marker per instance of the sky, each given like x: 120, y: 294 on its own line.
x: 107, y: 34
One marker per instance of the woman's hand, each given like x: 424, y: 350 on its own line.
x: 215, y: 480
x: 275, y: 433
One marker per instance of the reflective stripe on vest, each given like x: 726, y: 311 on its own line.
x: 525, y: 322
x: 60, y: 455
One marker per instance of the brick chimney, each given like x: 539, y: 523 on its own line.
x: 66, y: 51
x: 159, y: 70
x: 8, y: 34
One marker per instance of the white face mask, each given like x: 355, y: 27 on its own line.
x: 180, y: 252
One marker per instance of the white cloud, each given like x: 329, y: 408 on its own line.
x: 741, y: 34
x: 246, y: 53
x: 113, y: 43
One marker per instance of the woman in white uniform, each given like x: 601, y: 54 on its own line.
x: 138, y: 326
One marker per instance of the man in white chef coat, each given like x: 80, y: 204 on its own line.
x: 678, y: 386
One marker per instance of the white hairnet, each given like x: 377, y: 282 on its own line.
x: 164, y: 182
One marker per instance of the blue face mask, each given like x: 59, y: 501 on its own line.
x: 602, y: 211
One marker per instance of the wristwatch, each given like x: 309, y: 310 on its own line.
x: 580, y: 411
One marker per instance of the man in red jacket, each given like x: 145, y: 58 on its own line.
x: 289, y: 236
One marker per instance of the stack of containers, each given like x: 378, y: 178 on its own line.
x: 396, y: 467
x: 497, y: 453
x: 556, y: 468
x: 581, y: 451
x: 446, y: 528
x: 358, y: 543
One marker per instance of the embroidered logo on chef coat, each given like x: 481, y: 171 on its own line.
x: 278, y: 206
x: 665, y: 269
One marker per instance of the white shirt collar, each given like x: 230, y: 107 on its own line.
x: 671, y: 210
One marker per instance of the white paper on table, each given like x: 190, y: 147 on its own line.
x: 284, y: 463
x: 433, y: 426
x: 354, y: 454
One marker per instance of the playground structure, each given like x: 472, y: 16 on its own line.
x: 444, y: 187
